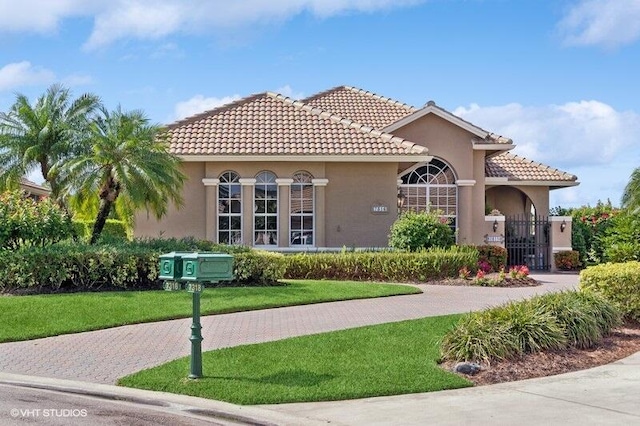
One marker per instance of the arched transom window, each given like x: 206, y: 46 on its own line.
x: 265, y: 216
x: 431, y: 186
x: 229, y: 209
x: 301, y: 211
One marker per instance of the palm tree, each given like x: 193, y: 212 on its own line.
x: 631, y: 195
x: 128, y: 161
x: 43, y: 135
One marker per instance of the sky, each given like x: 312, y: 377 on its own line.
x: 559, y: 77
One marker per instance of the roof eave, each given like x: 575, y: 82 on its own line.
x: 309, y: 158
x: 552, y: 184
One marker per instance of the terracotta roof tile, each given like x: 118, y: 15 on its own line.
x: 516, y: 168
x: 272, y: 124
x: 361, y: 106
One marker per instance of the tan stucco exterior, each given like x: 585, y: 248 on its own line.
x: 355, y: 202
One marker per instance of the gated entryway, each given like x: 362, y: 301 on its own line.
x: 527, y: 241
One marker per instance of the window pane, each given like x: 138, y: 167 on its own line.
x: 223, y: 222
x: 223, y: 191
x: 236, y: 237
x: 223, y: 237
x: 236, y: 223
x: 272, y: 206
x: 235, y: 206
x: 234, y: 191
x: 272, y: 192
x: 296, y: 222
x: 272, y: 223
x: 223, y: 206
x: 307, y: 223
x: 259, y: 223
x: 260, y: 206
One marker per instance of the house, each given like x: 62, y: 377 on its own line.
x: 335, y: 169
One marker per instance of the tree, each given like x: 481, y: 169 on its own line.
x: 631, y: 195
x: 43, y: 135
x: 127, y: 160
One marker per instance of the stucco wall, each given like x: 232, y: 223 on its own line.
x: 188, y: 221
x: 517, y: 199
x: 352, y: 190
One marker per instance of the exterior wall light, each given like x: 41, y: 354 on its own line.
x: 495, y: 225
x: 563, y: 226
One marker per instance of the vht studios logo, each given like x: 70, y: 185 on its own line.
x: 48, y: 412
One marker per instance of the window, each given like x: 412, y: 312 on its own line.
x: 229, y: 209
x: 301, y: 210
x: 265, y: 217
x: 431, y: 187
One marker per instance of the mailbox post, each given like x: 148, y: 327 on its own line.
x: 195, y: 269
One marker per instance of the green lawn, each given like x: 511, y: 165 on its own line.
x: 387, y: 359
x: 29, y: 317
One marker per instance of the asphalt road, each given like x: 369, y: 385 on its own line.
x: 22, y: 406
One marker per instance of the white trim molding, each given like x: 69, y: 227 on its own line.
x: 210, y: 181
x: 558, y: 249
x: 500, y: 218
x: 466, y: 182
x: 284, y: 181
x: 320, y: 182
x: 561, y: 219
x: 247, y: 181
x: 492, y: 146
x: 416, y: 158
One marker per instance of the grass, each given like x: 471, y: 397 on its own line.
x: 30, y: 317
x: 387, y: 359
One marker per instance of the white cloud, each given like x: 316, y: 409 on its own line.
x: 155, y: 19
x: 199, y: 103
x: 19, y: 74
x: 287, y: 91
x: 587, y: 138
x: 40, y: 16
x: 601, y: 22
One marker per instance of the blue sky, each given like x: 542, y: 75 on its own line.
x: 559, y: 77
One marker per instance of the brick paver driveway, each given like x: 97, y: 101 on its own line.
x: 104, y: 356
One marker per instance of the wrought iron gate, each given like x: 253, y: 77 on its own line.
x: 527, y: 241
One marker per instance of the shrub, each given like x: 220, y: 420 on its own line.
x: 381, y: 266
x: 567, y: 260
x: 622, y: 238
x: 618, y: 283
x: 114, y: 230
x: 415, y: 231
x: 25, y: 222
x: 547, y: 322
x: 494, y: 256
x: 124, y: 265
x: 585, y: 317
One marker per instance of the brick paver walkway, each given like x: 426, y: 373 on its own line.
x: 104, y: 356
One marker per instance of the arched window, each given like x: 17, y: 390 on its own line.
x: 229, y: 209
x: 301, y: 210
x: 265, y: 216
x: 431, y: 186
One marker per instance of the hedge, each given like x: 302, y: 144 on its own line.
x: 80, y: 267
x: 568, y: 260
x: 381, y: 266
x: 113, y: 229
x: 493, y: 256
x: 618, y: 282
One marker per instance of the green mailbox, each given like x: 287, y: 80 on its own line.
x: 207, y: 267
x: 171, y: 265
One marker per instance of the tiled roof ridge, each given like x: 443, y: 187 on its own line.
x: 409, y: 108
x: 217, y: 110
x: 540, y: 165
x: 347, y: 122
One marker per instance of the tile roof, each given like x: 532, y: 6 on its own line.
x: 361, y: 106
x: 516, y: 168
x: 271, y: 124
x: 378, y: 111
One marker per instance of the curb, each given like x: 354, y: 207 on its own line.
x: 177, y: 403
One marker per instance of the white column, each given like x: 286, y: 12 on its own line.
x: 284, y: 210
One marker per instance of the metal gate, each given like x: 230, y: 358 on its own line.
x: 527, y: 241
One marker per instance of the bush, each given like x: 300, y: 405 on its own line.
x: 418, y: 231
x: 25, y: 222
x: 617, y: 282
x: 381, y: 266
x: 494, y: 256
x: 547, y: 322
x: 114, y: 230
x: 124, y: 265
x: 622, y: 238
x: 567, y: 260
